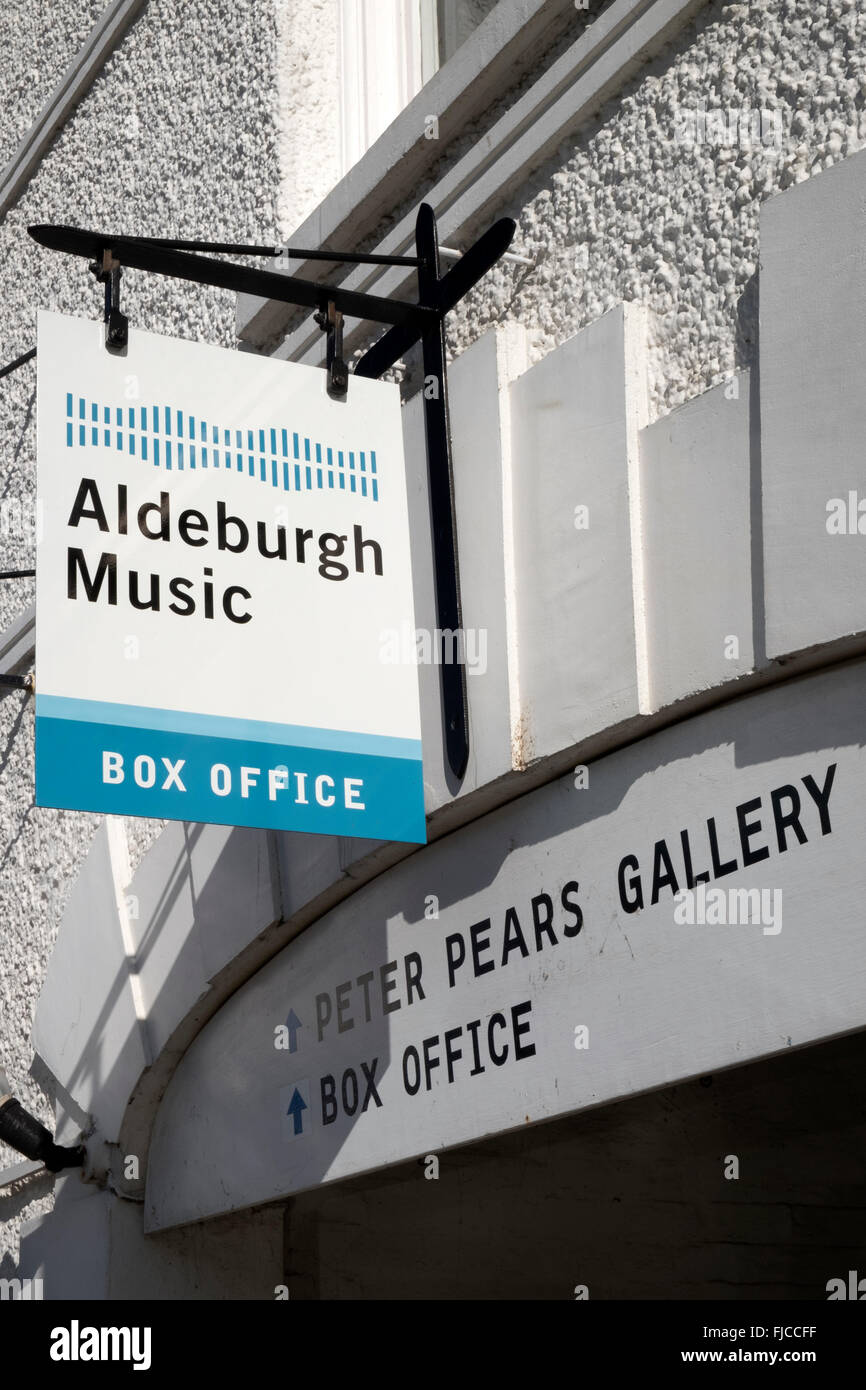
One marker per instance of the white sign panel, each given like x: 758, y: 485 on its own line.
x: 692, y: 902
x: 224, y: 549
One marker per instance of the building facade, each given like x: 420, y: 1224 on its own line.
x: 637, y: 919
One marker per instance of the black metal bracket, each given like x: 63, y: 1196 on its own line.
x: 338, y: 373
x: 437, y: 426
x: 108, y: 271
x: 408, y: 324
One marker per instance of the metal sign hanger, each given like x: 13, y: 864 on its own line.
x: 407, y: 323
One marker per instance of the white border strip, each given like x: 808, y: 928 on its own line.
x: 635, y: 326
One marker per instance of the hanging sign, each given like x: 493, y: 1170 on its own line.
x: 224, y: 547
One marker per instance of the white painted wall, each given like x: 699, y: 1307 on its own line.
x: 813, y: 413
x: 700, y: 486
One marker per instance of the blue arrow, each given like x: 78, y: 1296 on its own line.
x: 293, y: 1023
x: 296, y: 1105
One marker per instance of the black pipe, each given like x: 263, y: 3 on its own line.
x: 23, y: 1132
x: 19, y: 362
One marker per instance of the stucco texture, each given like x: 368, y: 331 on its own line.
x: 177, y: 136
x: 650, y: 202
x: 38, y: 40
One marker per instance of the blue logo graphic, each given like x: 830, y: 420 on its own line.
x: 169, y: 439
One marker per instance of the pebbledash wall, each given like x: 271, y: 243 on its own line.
x: 683, y: 360
x: 149, y: 116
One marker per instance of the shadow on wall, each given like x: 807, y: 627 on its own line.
x: 198, y: 900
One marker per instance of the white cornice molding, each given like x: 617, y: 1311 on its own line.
x: 566, y: 96
x: 79, y: 76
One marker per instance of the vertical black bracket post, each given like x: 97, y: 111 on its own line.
x: 442, y: 512
x: 331, y: 320
x: 116, y: 323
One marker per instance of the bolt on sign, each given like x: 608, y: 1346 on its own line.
x: 223, y: 546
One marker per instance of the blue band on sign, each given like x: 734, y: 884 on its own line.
x: 222, y: 726
x: 164, y: 764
